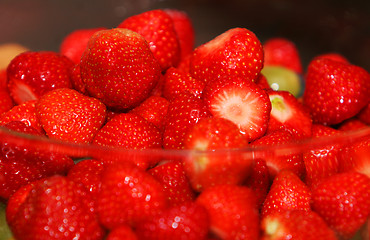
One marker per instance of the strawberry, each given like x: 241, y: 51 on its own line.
x: 334, y: 56
x: 68, y: 115
x: 335, y: 91
x: 158, y: 29
x: 321, y: 162
x: 77, y: 81
x: 289, y: 114
x: 118, y: 68
x: 236, y: 53
x: 3, y: 79
x: 176, y: 81
x: 25, y: 112
x: 277, y: 161
x: 282, y: 52
x: 175, y: 183
x: 32, y: 74
x: 6, y: 102
x: 184, y: 30
x: 241, y: 101
x: 154, y: 110
x: 137, y: 195
x: 183, y: 112
x: 259, y: 180
x: 186, y: 221
x: 287, y: 192
x: 73, y: 45
x: 122, y: 232
x: 232, y: 211
x: 206, y: 170
x: 295, y: 224
x: 88, y: 173
x: 364, y: 114
x: 352, y: 124
x: 262, y: 82
x: 21, y: 165
x: 56, y: 208
x: 343, y: 201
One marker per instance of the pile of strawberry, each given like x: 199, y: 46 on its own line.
x: 143, y: 85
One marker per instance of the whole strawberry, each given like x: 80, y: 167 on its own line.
x: 235, y: 53
x: 56, y: 208
x: 157, y: 27
x: 32, y: 74
x: 343, y: 201
x: 119, y: 68
x: 335, y: 91
x: 68, y: 115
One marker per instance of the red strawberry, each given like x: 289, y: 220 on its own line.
x: 77, y: 81
x: 3, y: 79
x: 335, y: 91
x: 137, y: 196
x: 154, y: 110
x: 321, y: 162
x: 21, y: 165
x: 183, y: 112
x: 287, y: 192
x: 343, y: 201
x: 73, y: 45
x: 122, y: 232
x: 289, y: 114
x: 334, y: 56
x: 295, y: 224
x: 364, y: 114
x: 26, y: 113
x: 68, y: 115
x: 237, y: 53
x: 277, y: 161
x: 232, y: 211
x: 32, y: 74
x: 352, y: 124
x: 175, y: 183
x: 241, y: 101
x: 158, y: 29
x: 184, y: 30
x: 56, y: 208
x: 6, y: 102
x: 118, y: 68
x: 176, y: 81
x: 206, y: 170
x: 186, y: 221
x: 262, y: 82
x: 282, y: 52
x: 87, y: 172
x: 259, y: 180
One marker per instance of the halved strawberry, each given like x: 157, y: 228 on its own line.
x: 287, y: 192
x: 240, y: 101
x: 296, y: 224
x: 282, y: 52
x: 176, y: 185
x: 68, y: 115
x: 232, y: 211
x: 74, y: 43
x: 157, y: 27
x: 343, y: 201
x: 236, y: 53
x: 32, y: 74
x: 289, y: 114
x: 277, y: 161
x: 206, y: 169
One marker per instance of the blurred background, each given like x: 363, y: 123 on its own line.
x: 315, y: 26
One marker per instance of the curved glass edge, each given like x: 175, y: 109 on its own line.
x: 89, y: 150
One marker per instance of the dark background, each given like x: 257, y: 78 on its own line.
x: 315, y: 26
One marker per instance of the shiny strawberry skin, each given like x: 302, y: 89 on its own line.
x: 118, y: 68
x: 56, y: 208
x: 32, y: 74
x: 158, y: 29
x: 235, y: 53
x: 343, y: 201
x: 335, y: 91
x: 68, y: 115
x: 137, y: 195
